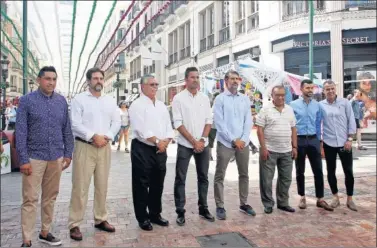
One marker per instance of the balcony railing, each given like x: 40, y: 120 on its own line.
x: 360, y: 4
x: 203, y: 43
x: 240, y: 27
x: 296, y: 9
x: 171, y: 59
x: 211, y: 41
x: 224, y: 35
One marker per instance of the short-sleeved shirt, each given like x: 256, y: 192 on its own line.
x: 277, y: 127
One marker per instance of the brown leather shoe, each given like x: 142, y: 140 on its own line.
x: 324, y: 205
x: 75, y: 233
x: 105, y: 226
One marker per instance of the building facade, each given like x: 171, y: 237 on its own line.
x: 209, y: 34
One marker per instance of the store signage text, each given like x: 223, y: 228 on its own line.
x: 345, y: 41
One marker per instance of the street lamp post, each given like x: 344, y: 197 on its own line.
x: 4, y: 72
x: 117, y: 84
x: 31, y: 85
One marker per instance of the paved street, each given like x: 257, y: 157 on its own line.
x: 311, y: 227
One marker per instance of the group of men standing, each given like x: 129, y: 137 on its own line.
x: 47, y: 137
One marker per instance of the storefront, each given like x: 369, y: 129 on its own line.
x: 296, y: 54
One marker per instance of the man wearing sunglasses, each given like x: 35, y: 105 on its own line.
x: 152, y: 132
x: 339, y: 126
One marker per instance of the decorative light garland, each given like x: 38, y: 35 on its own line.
x: 146, y: 25
x: 14, y: 58
x: 94, y: 6
x: 116, y: 29
x: 13, y: 45
x: 72, y: 40
x: 18, y: 35
x: 128, y: 30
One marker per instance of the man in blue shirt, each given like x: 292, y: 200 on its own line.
x: 233, y: 122
x: 339, y: 126
x: 309, y: 117
x: 357, y: 113
x: 44, y: 143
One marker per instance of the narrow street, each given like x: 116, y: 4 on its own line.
x: 310, y: 227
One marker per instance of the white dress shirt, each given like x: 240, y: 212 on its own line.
x: 91, y: 115
x: 193, y: 112
x: 150, y: 119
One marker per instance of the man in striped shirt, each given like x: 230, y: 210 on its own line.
x: 278, y: 140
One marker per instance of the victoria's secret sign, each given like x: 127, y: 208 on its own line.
x: 345, y: 41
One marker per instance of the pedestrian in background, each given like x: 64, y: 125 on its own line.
x: 212, y: 133
x: 95, y: 122
x: 339, y: 126
x: 152, y: 132
x: 278, y: 140
x: 125, y: 125
x: 308, y: 115
x: 357, y: 113
x: 233, y: 122
x: 193, y: 119
x: 44, y: 144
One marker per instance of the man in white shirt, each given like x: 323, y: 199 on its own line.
x: 152, y: 132
x: 95, y: 121
x: 192, y: 116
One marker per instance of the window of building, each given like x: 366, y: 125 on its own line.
x: 240, y: 24
x: 253, y: 16
x: 224, y: 33
x: 184, y: 40
x: 207, y: 28
x: 292, y: 9
x: 173, y: 46
x: 223, y: 61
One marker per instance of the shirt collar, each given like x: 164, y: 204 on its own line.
x: 147, y: 99
x: 310, y: 99
x: 335, y: 101
x: 190, y: 94
x: 228, y: 93
x: 43, y: 95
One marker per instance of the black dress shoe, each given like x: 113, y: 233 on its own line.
x: 268, y: 210
x: 287, y: 209
x: 204, y: 213
x: 181, y: 219
x: 146, y: 225
x: 158, y: 220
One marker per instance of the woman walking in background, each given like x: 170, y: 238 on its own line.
x: 123, y: 133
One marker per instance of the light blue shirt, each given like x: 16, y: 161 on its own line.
x: 338, y: 122
x: 12, y: 115
x: 232, y: 115
x: 308, y: 117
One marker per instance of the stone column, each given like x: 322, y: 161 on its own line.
x: 337, y: 47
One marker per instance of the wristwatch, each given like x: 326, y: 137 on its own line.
x: 204, y: 138
x: 157, y: 141
x: 350, y: 139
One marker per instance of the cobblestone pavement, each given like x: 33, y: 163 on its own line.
x: 310, y: 227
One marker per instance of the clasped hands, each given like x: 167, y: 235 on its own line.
x: 238, y: 144
x: 162, y: 145
x: 100, y: 140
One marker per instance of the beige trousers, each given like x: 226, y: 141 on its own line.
x: 45, y: 177
x: 89, y: 160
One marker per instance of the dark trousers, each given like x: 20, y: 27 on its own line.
x: 148, y: 175
x: 311, y: 147
x: 184, y: 155
x: 347, y: 164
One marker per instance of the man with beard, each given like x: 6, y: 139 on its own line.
x: 152, y: 132
x: 95, y: 122
x: 339, y: 126
x: 233, y: 123
x: 309, y: 118
x: 193, y: 119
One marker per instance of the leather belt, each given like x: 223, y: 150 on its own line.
x: 84, y: 141
x: 313, y: 136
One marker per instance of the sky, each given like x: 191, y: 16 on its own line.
x: 60, y: 33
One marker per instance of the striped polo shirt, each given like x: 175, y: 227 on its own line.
x: 277, y: 127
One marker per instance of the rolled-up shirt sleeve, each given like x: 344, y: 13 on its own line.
x: 177, y: 114
x: 67, y: 135
x: 22, y: 131
x: 350, y: 118
x: 261, y: 118
x: 218, y: 114
x: 78, y: 127
x: 209, y: 115
x: 169, y: 128
x: 247, y: 124
x: 115, y: 123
